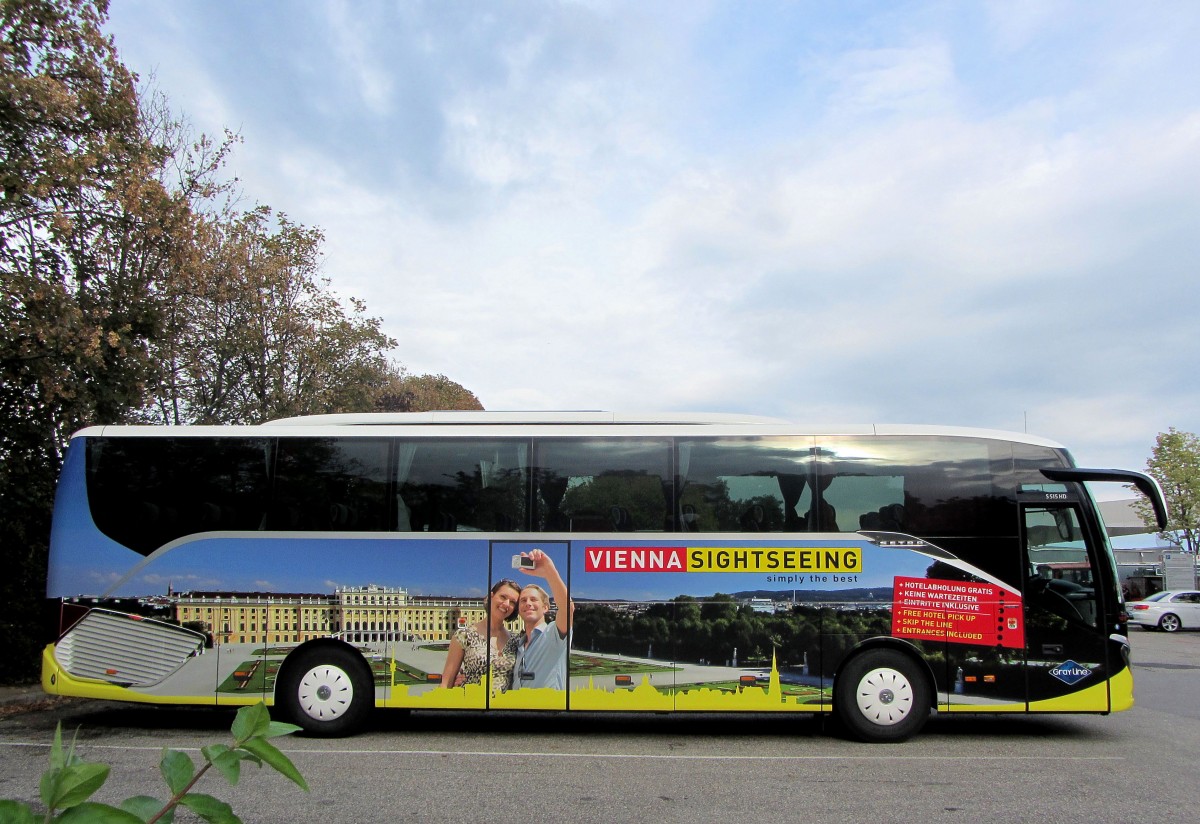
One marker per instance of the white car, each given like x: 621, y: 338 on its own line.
x: 1168, y: 611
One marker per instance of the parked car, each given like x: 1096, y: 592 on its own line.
x: 1168, y: 611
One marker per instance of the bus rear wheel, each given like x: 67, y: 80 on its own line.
x: 326, y: 691
x: 881, y: 695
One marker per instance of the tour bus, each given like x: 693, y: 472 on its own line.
x: 329, y: 565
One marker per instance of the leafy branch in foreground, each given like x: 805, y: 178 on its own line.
x: 70, y: 781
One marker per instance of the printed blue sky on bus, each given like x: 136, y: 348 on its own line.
x: 426, y: 566
x: 278, y: 564
x: 260, y: 563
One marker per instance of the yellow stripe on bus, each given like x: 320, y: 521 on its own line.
x: 1095, y: 698
x: 57, y: 681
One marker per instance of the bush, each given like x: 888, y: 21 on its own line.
x: 70, y: 781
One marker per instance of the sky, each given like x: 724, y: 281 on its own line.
x: 971, y: 214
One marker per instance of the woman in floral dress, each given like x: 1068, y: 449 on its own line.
x: 469, y: 654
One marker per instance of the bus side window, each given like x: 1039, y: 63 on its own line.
x: 330, y: 485
x: 739, y: 484
x: 603, y: 485
x: 462, y: 485
x: 864, y: 501
x: 144, y: 492
x: 945, y: 487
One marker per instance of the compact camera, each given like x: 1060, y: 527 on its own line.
x: 522, y: 562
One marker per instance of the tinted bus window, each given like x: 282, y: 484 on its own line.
x: 609, y: 485
x: 331, y: 484
x: 144, y: 492
x: 462, y: 485
x: 1028, y: 461
x: 926, y: 486
x: 746, y: 485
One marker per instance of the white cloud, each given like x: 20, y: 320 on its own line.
x: 910, y: 79
x: 868, y: 216
x: 351, y: 34
x: 179, y: 583
x: 1016, y: 23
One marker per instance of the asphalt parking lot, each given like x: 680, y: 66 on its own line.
x: 1135, y: 765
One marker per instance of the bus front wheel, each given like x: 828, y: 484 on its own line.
x: 882, y: 695
x: 326, y: 691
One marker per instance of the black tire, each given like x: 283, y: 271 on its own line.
x: 326, y: 691
x: 1170, y: 623
x: 882, y: 695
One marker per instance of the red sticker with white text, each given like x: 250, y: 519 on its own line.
x: 959, y: 612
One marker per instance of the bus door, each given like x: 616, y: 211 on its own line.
x: 539, y: 669
x: 1066, y: 647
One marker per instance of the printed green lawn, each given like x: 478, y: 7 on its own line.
x: 584, y: 665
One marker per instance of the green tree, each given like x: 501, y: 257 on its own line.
x: 257, y: 334
x: 402, y: 392
x: 88, y: 231
x: 1175, y: 464
x: 85, y: 228
x: 719, y: 606
x: 131, y: 290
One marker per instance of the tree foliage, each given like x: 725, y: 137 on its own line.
x: 83, y: 226
x: 131, y: 289
x: 1175, y: 464
x: 402, y: 392
x: 254, y: 333
x: 717, y: 627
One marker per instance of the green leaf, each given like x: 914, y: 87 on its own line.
x: 14, y: 812
x: 278, y: 728
x: 276, y: 759
x: 228, y: 761
x: 210, y: 809
x: 145, y: 808
x: 71, y: 758
x: 48, y: 786
x: 59, y: 758
x: 56, y: 780
x: 93, y: 813
x: 177, y: 768
x: 75, y: 784
x: 56, y: 752
x: 213, y: 750
x: 251, y: 721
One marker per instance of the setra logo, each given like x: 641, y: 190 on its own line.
x: 1070, y: 672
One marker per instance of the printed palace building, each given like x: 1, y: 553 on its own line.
x: 358, y: 614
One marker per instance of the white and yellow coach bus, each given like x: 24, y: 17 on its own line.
x: 714, y: 563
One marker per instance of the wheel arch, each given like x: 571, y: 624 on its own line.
x: 297, y: 655
x: 898, y: 645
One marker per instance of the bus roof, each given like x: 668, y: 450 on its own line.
x: 481, y: 423
x: 459, y: 417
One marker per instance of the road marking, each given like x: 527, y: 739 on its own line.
x: 616, y: 756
